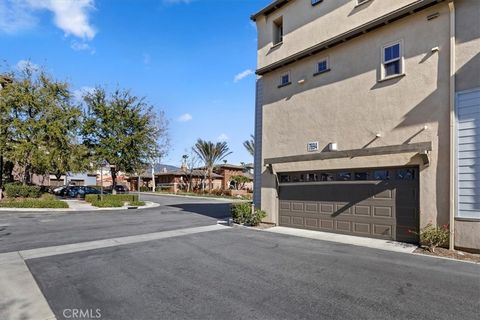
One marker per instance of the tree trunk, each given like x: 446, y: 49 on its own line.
x: 1, y: 172
x: 26, y: 175
x: 113, y: 172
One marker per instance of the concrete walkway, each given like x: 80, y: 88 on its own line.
x: 21, y: 298
x: 387, y: 245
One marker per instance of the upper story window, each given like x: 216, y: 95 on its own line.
x: 284, y: 79
x: 322, y: 66
x: 278, y: 31
x: 315, y: 2
x: 392, y: 60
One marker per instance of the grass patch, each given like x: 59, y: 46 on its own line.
x: 111, y: 197
x: 137, y: 203
x: 107, y: 203
x: 44, y: 202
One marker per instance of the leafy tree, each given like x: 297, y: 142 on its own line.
x: 123, y: 130
x: 211, y: 153
x: 38, y: 121
x: 240, y: 181
x: 250, y: 145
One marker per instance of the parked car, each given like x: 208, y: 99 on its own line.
x: 81, y: 191
x: 61, y: 191
x: 118, y: 188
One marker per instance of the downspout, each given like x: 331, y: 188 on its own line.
x: 453, y: 196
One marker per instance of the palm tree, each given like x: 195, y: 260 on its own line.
x: 250, y: 145
x: 211, y: 153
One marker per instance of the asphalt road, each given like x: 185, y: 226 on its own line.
x: 248, y: 274
x: 21, y: 231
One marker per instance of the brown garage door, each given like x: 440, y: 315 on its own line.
x: 378, y: 203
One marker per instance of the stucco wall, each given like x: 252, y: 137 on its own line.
x: 467, y: 234
x: 348, y: 105
x: 303, y: 29
x: 467, y: 53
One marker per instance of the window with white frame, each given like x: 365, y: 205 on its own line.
x: 284, y: 79
x: 322, y: 66
x: 392, y: 60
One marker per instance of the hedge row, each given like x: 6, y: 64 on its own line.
x: 18, y: 190
x: 33, y: 203
x: 110, y: 203
x: 115, y: 197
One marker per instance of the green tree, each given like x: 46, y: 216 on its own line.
x: 240, y: 181
x: 38, y: 119
x: 211, y: 153
x: 250, y: 145
x: 123, y: 130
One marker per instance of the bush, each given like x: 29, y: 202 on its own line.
x: 16, y: 190
x: 434, y: 236
x: 33, y: 203
x: 108, y: 203
x: 241, y: 212
x: 256, y: 218
x: 137, y: 203
x: 118, y: 197
x: 144, y: 189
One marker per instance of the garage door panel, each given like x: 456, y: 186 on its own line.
x: 374, y: 209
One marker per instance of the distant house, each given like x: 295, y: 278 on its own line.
x: 176, y: 179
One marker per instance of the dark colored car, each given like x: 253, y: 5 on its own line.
x: 61, y: 191
x: 81, y: 191
x: 118, y: 188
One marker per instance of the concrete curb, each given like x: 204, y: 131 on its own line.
x: 148, y: 205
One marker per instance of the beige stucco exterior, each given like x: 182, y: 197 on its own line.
x: 350, y: 105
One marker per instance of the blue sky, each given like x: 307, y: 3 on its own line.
x: 194, y: 59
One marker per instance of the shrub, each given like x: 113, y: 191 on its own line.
x: 256, y: 218
x: 144, y: 189
x: 137, y: 203
x: 118, y: 197
x: 434, y: 236
x: 108, y: 203
x: 241, y: 212
x: 15, y: 190
x: 33, y: 203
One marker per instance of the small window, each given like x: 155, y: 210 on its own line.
x: 284, y: 178
x: 315, y: 2
x: 344, y: 176
x: 284, y: 79
x: 361, y: 175
x: 392, y: 60
x: 327, y: 177
x: 381, y: 175
x: 278, y: 31
x: 311, y: 177
x: 405, y: 174
x: 322, y: 66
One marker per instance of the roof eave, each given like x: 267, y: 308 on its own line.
x: 272, y: 7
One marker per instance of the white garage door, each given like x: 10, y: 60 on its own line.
x: 468, y: 155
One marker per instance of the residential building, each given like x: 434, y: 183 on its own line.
x: 368, y: 117
x: 176, y: 179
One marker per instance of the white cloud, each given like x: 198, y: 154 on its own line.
x: 15, y: 16
x: 242, y: 75
x: 81, y: 46
x: 71, y: 16
x: 24, y: 64
x: 222, y: 137
x: 185, y: 117
x: 79, y: 93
